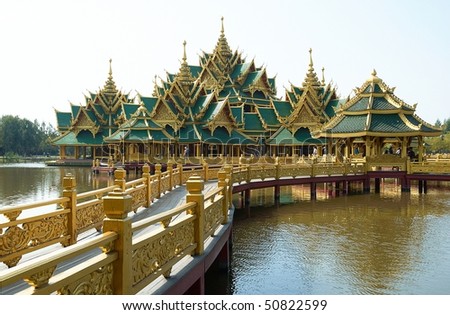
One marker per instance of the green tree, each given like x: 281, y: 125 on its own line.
x: 23, y: 137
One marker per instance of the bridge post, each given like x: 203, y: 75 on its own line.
x: 277, y: 168
x: 148, y: 192
x: 229, y: 170
x: 180, y: 170
x: 170, y: 171
x: 420, y: 186
x: 205, y: 170
x: 117, y: 204
x: 406, y: 184
x: 377, y: 185
x: 366, y: 184
x: 277, y: 194
x: 70, y: 191
x: 313, y: 190
x: 158, y: 176
x: 119, y: 178
x: 195, y: 186
x: 225, y: 204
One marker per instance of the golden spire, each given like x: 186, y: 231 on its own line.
x: 222, y: 47
x: 311, y: 76
x: 184, y: 75
x: 110, y: 86
x: 373, y: 77
x: 323, y: 76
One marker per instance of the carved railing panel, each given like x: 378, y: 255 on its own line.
x: 21, y: 234
x: 329, y: 169
x: 155, y: 253
x: 213, y: 212
x: 93, y: 276
x: 295, y: 170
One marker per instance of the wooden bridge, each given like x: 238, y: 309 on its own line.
x: 160, y: 233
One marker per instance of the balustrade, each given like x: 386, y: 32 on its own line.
x: 129, y: 256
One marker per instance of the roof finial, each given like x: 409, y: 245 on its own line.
x: 311, y: 77
x: 323, y: 75
x: 110, y: 86
x: 184, y: 75
x: 184, y: 51
x: 373, y: 77
x: 222, y: 47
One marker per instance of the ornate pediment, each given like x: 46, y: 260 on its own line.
x: 222, y: 119
x: 83, y: 122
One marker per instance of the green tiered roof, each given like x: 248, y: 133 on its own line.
x: 101, y: 116
x: 376, y: 111
x: 226, y: 99
x: 140, y: 128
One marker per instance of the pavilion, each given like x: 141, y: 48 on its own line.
x: 228, y: 106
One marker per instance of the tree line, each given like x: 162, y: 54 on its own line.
x: 20, y: 136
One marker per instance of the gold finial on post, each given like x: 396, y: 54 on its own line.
x: 184, y: 51
x: 119, y: 178
x: 323, y: 75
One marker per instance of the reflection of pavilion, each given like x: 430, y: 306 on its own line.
x: 228, y: 106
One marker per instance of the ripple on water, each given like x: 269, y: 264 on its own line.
x: 365, y: 244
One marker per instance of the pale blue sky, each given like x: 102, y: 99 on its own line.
x: 53, y: 52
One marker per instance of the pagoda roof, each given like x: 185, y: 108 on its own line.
x: 220, y: 135
x: 238, y: 114
x: 282, y: 108
x: 302, y: 136
x: 376, y: 111
x: 252, y: 122
x: 269, y: 116
x: 189, y: 133
x: 140, y: 127
x: 63, y: 119
x: 81, y: 138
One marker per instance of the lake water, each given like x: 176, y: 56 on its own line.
x: 387, y: 243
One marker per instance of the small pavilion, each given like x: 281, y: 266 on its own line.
x: 375, y: 122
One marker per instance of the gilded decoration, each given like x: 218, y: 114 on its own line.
x: 40, y: 278
x: 152, y: 256
x: 139, y: 197
x: 89, y: 214
x: 98, y: 282
x: 46, y: 229
x: 12, y: 241
x: 213, y: 216
x: 12, y: 215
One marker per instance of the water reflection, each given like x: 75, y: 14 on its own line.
x: 28, y: 182
x: 387, y: 243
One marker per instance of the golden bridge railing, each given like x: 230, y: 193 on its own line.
x: 27, y: 229
x: 127, y: 256
x: 31, y: 227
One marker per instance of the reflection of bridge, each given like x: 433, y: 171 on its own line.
x: 159, y: 234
